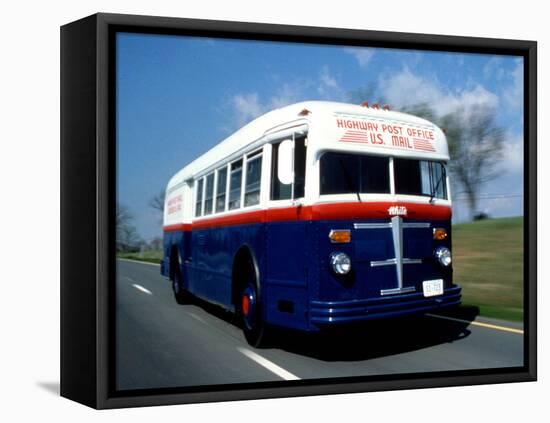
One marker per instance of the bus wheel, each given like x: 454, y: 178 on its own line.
x: 254, y: 328
x: 180, y: 294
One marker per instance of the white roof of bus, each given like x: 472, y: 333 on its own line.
x: 257, y: 128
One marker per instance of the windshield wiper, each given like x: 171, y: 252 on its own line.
x: 434, y: 190
x: 349, y: 181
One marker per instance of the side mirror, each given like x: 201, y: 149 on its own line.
x: 285, y: 162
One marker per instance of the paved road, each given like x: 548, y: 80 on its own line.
x: 163, y: 344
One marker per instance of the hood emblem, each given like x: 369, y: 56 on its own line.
x: 397, y: 211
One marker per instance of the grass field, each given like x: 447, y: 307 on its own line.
x: 149, y: 256
x: 487, y: 262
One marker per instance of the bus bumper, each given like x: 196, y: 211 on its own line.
x: 328, y: 313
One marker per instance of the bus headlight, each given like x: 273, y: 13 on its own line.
x: 443, y: 255
x: 340, y: 263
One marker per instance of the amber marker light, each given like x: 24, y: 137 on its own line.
x: 340, y: 236
x: 440, y: 234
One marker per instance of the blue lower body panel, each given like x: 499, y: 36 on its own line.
x: 327, y: 313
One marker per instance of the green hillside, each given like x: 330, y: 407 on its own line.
x: 488, y: 263
x: 148, y: 256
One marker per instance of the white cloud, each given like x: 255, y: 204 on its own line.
x: 327, y: 79
x: 287, y: 94
x: 328, y: 87
x: 513, y: 94
x: 513, y: 153
x: 494, y: 69
x: 405, y: 89
x: 246, y: 107
x: 362, y: 54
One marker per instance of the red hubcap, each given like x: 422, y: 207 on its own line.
x: 245, y: 304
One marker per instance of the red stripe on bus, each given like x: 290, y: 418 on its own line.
x: 378, y: 210
x: 333, y: 211
x: 178, y: 227
x: 231, y: 220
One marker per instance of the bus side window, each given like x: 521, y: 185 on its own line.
x: 253, y: 179
x: 198, y: 196
x: 280, y: 191
x: 209, y: 194
x: 299, y: 166
x: 220, y: 189
x: 235, y: 180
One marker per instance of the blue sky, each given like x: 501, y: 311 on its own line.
x: 179, y: 96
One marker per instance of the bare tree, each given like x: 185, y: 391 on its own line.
x: 127, y: 238
x: 475, y: 140
x: 155, y: 244
x: 123, y: 215
x: 370, y: 93
x: 475, y: 146
x: 423, y: 110
x: 157, y: 202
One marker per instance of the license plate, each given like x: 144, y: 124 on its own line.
x: 433, y: 287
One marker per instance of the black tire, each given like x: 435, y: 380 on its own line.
x: 180, y: 293
x: 250, y: 311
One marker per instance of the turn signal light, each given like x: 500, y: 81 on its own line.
x: 440, y: 234
x: 340, y: 236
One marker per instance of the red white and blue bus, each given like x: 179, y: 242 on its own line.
x: 315, y: 215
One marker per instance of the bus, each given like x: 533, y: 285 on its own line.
x: 315, y: 215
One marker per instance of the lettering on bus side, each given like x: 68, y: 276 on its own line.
x: 174, y: 204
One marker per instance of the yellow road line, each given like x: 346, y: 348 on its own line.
x: 484, y: 325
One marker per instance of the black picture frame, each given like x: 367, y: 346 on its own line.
x: 88, y: 198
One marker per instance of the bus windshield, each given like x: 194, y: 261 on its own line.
x: 420, y: 177
x: 344, y: 173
